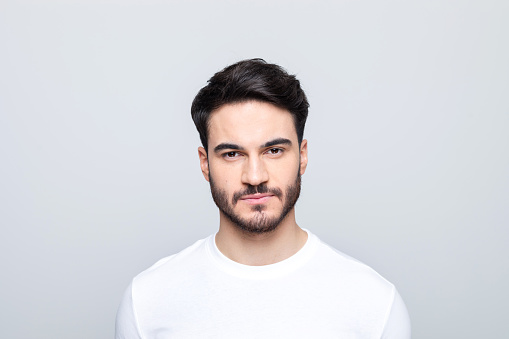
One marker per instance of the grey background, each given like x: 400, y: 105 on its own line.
x: 408, y: 148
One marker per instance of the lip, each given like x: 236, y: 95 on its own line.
x: 258, y: 198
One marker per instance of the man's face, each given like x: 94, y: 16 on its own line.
x: 254, y: 164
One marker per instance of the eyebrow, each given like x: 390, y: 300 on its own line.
x: 277, y: 141
x: 225, y: 145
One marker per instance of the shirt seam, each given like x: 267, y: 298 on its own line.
x: 389, y: 310
x: 136, y: 320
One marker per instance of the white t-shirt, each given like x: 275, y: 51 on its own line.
x: 317, y: 293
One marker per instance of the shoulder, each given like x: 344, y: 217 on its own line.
x: 352, y: 275
x: 336, y: 260
x: 172, y: 268
x: 367, y: 298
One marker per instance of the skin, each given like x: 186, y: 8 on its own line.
x: 253, y: 144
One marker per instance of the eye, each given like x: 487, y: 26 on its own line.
x: 231, y: 155
x: 275, y: 151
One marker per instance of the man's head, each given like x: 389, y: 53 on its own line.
x: 254, y: 152
x: 248, y: 80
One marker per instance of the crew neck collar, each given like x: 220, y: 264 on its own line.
x: 266, y: 271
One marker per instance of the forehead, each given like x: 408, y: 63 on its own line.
x: 250, y: 123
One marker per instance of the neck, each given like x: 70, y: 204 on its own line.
x: 257, y: 249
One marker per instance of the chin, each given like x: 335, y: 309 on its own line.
x: 259, y: 222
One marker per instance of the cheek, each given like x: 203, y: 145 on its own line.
x: 284, y: 172
x: 223, y: 178
x: 225, y: 172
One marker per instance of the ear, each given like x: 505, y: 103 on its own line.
x: 204, y: 162
x: 303, y: 156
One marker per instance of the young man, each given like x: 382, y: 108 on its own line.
x: 260, y: 275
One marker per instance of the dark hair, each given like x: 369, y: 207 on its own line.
x: 247, y: 80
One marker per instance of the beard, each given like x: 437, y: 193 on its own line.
x: 260, y: 222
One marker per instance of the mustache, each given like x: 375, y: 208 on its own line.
x: 256, y: 189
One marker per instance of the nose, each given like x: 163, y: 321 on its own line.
x: 254, y: 172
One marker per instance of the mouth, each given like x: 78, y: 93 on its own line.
x: 256, y: 199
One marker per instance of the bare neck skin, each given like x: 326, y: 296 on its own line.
x: 260, y: 249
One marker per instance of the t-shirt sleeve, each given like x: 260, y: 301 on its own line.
x: 126, y: 324
x: 398, y: 322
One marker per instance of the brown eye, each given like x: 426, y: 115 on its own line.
x: 231, y: 154
x: 275, y: 151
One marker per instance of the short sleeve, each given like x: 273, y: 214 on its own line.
x: 398, y: 322
x: 126, y: 325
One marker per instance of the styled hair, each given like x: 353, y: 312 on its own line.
x: 247, y: 80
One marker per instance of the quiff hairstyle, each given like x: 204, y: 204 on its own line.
x: 246, y: 80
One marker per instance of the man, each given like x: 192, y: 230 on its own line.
x: 260, y: 275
